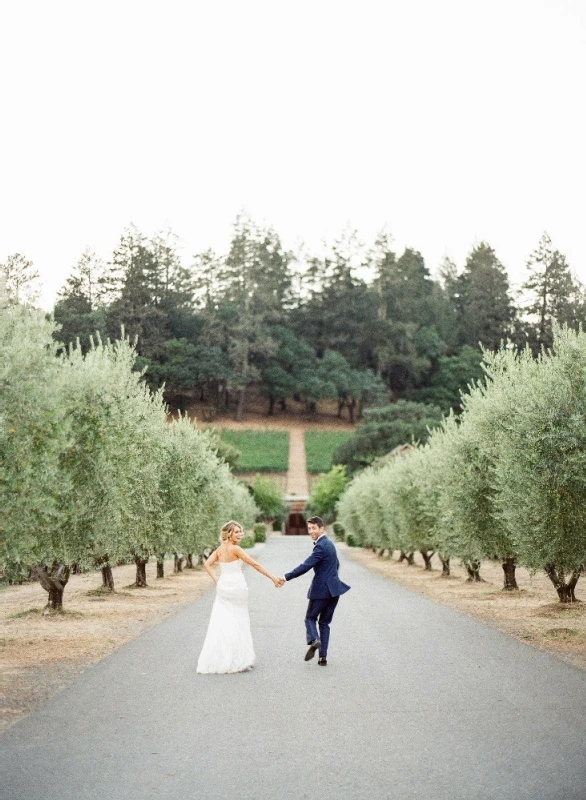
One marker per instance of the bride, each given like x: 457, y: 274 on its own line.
x: 228, y: 643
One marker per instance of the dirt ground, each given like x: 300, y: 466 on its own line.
x: 42, y: 654
x: 532, y: 614
x: 255, y: 417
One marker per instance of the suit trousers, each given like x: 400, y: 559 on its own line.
x: 321, y: 612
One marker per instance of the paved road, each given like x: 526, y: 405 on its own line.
x: 418, y: 701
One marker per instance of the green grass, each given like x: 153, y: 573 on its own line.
x: 320, y: 447
x: 260, y: 451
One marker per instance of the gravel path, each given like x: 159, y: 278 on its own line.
x: 297, y: 483
x: 418, y: 701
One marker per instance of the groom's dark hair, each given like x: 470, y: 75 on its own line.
x: 316, y: 521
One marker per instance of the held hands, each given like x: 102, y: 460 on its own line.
x: 278, y: 582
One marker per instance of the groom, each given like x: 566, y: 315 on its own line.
x: 324, y: 592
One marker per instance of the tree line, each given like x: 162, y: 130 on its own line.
x: 506, y: 480
x: 91, y: 472
x: 358, y: 325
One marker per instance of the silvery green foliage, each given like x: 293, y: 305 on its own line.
x: 355, y: 503
x: 115, y: 462
x: 470, y: 525
x: 507, y: 481
x: 364, y: 508
x: 89, y: 464
x: 199, y: 490
x: 34, y: 436
x: 541, y: 467
x: 471, y: 488
x: 434, y: 463
x: 237, y: 502
x: 414, y: 523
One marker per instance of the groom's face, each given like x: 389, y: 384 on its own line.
x: 314, y: 530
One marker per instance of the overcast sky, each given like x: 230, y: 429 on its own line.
x: 450, y: 121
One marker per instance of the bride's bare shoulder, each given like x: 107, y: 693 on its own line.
x: 227, y: 552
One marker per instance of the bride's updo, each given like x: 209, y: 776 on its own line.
x: 228, y: 529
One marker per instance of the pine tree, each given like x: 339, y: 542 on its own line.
x: 136, y: 282
x: 20, y: 279
x: 336, y: 313
x: 84, y: 280
x: 553, y: 294
x: 485, y: 308
x: 253, y: 283
x: 79, y: 310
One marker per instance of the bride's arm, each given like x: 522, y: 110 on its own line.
x: 208, y: 566
x: 249, y: 560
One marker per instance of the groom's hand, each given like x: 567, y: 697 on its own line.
x: 280, y: 582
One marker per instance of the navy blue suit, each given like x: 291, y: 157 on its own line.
x: 324, y: 592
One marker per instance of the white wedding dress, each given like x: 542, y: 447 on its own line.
x: 228, y: 643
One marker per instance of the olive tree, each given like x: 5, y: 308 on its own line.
x: 114, y: 507
x: 34, y: 437
x: 541, y: 468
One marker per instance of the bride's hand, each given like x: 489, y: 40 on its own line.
x: 277, y: 581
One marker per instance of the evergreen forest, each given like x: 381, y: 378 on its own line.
x: 358, y: 324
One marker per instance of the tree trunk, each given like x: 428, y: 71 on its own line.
x: 240, y: 405
x: 141, y: 563
x: 509, y: 568
x: 565, y: 590
x: 54, y: 582
x: 189, y: 561
x: 427, y: 556
x: 445, y: 565
x: 283, y: 403
x: 351, y: 407
x: 340, y: 407
x: 107, y: 577
x: 408, y: 557
x: 177, y: 562
x: 381, y: 551
x: 103, y: 563
x: 473, y: 570
x: 271, y: 410
x: 200, y: 559
x: 161, y: 565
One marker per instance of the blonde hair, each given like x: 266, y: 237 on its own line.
x: 228, y: 529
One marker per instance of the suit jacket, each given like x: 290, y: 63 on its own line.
x: 325, y: 564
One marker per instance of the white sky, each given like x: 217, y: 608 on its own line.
x: 451, y: 121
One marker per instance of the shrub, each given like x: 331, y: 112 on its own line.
x: 385, y: 428
x: 247, y: 541
x: 225, y: 451
x: 339, y: 532
x: 260, y: 532
x: 268, y: 497
x: 326, y: 492
x: 351, y: 541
